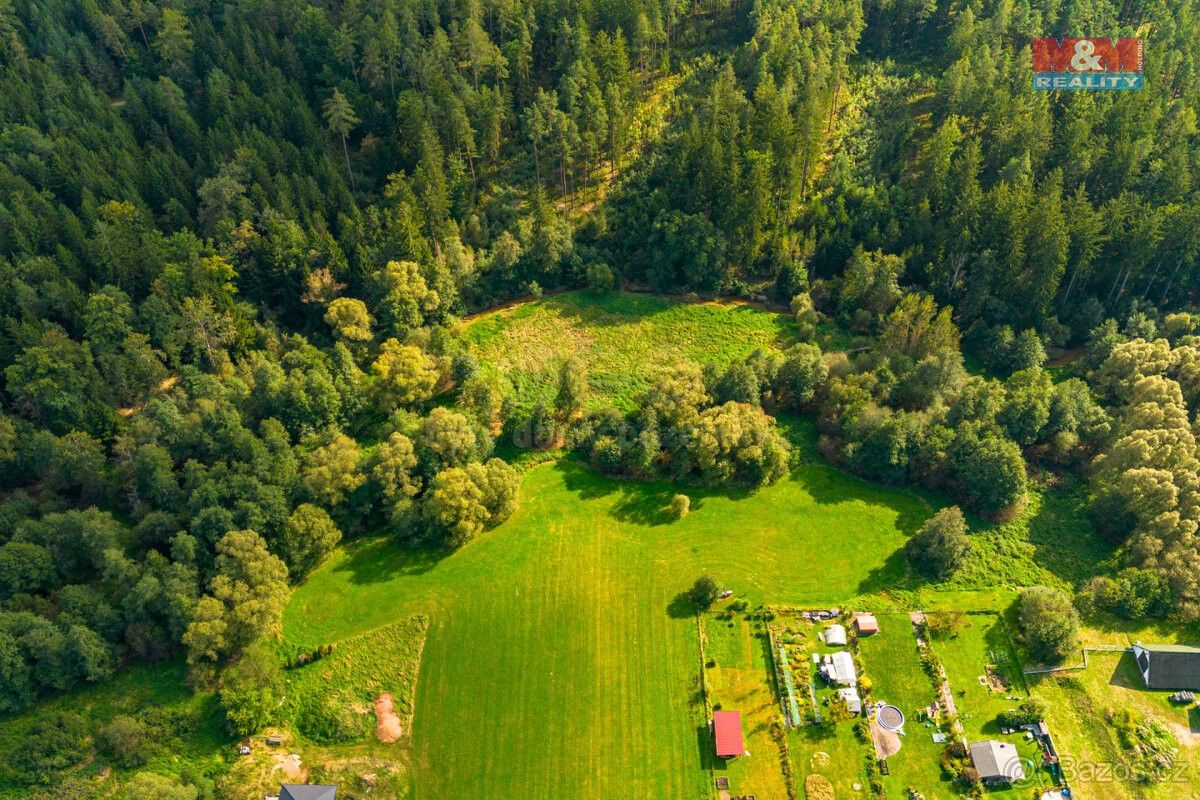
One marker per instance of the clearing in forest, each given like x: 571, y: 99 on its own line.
x: 624, y: 338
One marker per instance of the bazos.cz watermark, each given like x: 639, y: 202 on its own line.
x: 1022, y: 773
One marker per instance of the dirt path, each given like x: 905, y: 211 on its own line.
x: 887, y: 743
x: 945, y: 693
x: 388, y: 730
x: 291, y: 767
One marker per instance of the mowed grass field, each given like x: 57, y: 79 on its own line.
x: 561, y: 661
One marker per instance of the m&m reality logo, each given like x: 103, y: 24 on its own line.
x: 1095, y: 64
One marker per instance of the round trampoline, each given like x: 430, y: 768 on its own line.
x: 890, y: 718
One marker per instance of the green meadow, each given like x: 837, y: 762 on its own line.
x: 561, y: 660
x: 623, y: 338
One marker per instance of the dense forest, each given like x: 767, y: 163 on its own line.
x: 235, y: 238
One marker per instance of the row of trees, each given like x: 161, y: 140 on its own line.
x: 1147, y: 480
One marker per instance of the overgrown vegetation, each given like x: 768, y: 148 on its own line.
x: 236, y: 242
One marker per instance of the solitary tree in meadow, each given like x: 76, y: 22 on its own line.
x: 341, y: 119
x: 941, y: 546
x: 681, y: 505
x: 705, y: 591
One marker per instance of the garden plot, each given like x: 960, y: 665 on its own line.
x: 895, y: 675
x: 985, y: 678
x: 826, y: 751
x: 738, y: 671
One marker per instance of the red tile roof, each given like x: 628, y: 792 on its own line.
x: 728, y: 727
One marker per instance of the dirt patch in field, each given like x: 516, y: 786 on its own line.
x: 994, y: 680
x: 291, y: 767
x: 1186, y: 736
x: 388, y: 729
x: 886, y: 743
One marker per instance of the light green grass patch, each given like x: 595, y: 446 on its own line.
x: 623, y: 338
x: 332, y: 700
x: 893, y: 666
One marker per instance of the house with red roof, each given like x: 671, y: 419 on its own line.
x: 727, y: 728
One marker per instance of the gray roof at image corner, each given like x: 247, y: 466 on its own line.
x: 1171, y: 666
x: 300, y: 791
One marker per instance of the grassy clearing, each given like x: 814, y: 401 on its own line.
x: 624, y: 338
x: 1051, y: 543
x: 857, y: 528
x: 333, y: 700
x: 560, y: 661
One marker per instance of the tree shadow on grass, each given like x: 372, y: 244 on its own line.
x: 815, y: 734
x: 706, y: 749
x: 611, y: 309
x: 681, y: 607
x: 829, y: 485
x: 585, y: 483
x: 891, y: 574
x: 991, y: 728
x: 1002, y: 650
x: 381, y: 558
x: 646, y: 503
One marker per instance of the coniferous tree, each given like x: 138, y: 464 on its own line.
x: 341, y: 119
